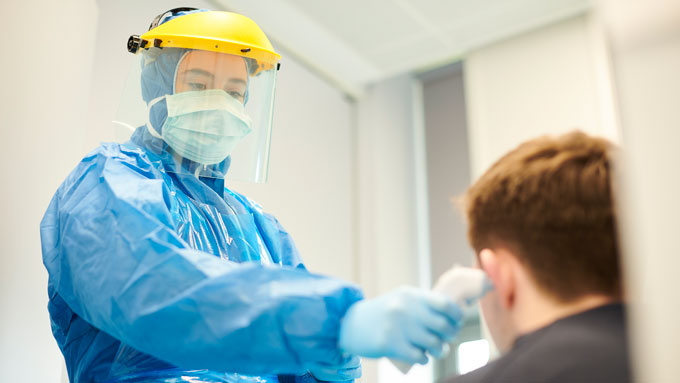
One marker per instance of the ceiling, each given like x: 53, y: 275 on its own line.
x: 353, y: 43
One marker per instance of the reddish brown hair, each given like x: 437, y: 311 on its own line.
x: 550, y: 202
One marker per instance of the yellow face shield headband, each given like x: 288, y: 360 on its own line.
x: 223, y: 32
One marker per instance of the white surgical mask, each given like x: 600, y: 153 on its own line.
x: 203, y: 126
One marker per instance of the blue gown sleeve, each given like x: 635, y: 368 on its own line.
x: 111, y: 250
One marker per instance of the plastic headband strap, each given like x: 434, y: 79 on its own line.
x: 159, y: 19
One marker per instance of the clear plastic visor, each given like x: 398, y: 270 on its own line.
x: 204, y: 113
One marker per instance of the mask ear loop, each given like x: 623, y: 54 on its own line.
x: 150, y: 127
x: 159, y: 19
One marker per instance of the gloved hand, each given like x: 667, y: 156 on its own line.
x: 403, y: 324
x: 346, y: 372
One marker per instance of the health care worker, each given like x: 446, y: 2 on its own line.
x: 157, y: 272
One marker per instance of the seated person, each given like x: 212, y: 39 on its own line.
x: 543, y: 226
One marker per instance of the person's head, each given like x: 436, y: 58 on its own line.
x: 208, y: 82
x: 542, y: 222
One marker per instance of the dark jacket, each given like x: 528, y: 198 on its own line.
x: 587, y: 347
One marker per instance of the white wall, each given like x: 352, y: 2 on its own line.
x: 547, y: 81
x: 646, y: 61
x: 387, y: 186
x: 44, y: 74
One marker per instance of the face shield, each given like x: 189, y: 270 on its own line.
x: 202, y: 99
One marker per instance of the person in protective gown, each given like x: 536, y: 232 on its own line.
x: 158, y: 273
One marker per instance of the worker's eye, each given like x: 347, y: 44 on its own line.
x: 197, y: 86
x: 236, y: 94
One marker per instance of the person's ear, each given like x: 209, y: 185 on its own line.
x: 499, y: 269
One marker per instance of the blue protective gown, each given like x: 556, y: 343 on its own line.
x: 153, y: 274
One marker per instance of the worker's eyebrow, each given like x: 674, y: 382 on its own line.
x: 198, y: 71
x: 238, y: 80
x: 203, y: 72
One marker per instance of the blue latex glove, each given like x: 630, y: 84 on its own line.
x: 403, y: 324
x: 346, y: 372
